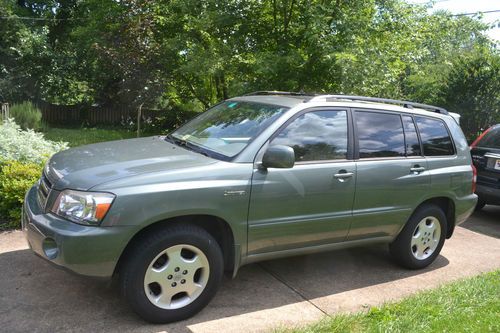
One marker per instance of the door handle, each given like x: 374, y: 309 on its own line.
x: 417, y: 169
x: 343, y: 175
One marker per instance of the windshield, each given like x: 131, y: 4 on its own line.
x: 229, y: 127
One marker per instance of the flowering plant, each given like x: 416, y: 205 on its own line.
x: 25, y: 146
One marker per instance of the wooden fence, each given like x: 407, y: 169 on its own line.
x: 93, y: 115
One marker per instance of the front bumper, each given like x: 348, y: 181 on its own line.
x: 85, y: 250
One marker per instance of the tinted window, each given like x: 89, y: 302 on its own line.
x: 491, y: 139
x: 411, y: 137
x: 318, y: 135
x: 435, y: 137
x: 380, y: 135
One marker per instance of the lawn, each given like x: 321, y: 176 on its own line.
x: 82, y: 136
x: 471, y: 305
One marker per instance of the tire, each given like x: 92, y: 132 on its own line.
x: 480, y: 204
x: 172, y: 274
x: 421, y: 239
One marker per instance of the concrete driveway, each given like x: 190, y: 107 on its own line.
x: 36, y: 297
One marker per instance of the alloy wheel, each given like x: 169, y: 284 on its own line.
x: 425, y: 238
x: 176, y: 276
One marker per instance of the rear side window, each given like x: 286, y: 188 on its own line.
x: 380, y: 134
x: 435, y: 137
x: 491, y: 139
x: 316, y: 136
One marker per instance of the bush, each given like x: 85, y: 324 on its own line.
x: 25, y: 146
x: 15, y: 179
x: 22, y: 154
x: 172, y: 119
x: 26, y: 115
x: 160, y: 121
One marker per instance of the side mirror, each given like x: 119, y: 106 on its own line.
x: 278, y: 157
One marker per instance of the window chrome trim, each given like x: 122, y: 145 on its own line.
x: 402, y: 158
x: 323, y: 162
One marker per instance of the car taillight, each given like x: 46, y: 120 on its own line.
x: 474, y: 178
x: 475, y: 143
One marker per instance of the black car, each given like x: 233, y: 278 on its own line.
x: 486, y: 157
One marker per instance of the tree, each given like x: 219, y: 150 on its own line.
x: 196, y: 53
x: 473, y: 89
x: 21, y: 53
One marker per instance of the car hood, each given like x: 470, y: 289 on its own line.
x: 84, y: 167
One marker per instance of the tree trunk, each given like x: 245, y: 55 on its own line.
x: 225, y: 94
x: 139, y: 116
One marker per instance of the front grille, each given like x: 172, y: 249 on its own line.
x: 43, y: 191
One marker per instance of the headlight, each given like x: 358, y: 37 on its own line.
x: 83, y: 207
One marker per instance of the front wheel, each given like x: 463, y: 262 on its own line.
x: 421, y: 239
x: 172, y: 274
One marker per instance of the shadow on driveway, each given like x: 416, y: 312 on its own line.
x: 486, y: 221
x: 331, y: 273
x: 35, y: 296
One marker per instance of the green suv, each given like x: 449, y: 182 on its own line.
x: 257, y: 177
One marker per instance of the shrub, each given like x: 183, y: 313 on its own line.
x: 160, y: 121
x: 25, y: 146
x: 26, y: 115
x: 15, y: 179
x: 22, y: 154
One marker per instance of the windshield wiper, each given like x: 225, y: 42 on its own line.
x: 188, y: 145
x: 177, y: 141
x: 198, y: 150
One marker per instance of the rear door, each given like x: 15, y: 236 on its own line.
x: 392, y: 174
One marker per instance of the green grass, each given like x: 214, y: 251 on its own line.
x: 471, y: 305
x: 83, y: 136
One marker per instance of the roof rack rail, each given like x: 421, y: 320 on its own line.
x: 406, y: 104
x: 280, y: 93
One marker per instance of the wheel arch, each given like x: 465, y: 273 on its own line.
x: 214, y: 225
x: 448, y: 206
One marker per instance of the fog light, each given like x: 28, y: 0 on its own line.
x: 50, y: 249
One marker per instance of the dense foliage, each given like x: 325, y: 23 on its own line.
x: 15, y: 179
x: 473, y: 89
x: 197, y: 52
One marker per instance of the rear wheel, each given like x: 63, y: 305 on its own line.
x: 422, y: 238
x: 172, y: 274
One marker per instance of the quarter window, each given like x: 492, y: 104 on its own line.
x: 380, y: 134
x: 316, y: 136
x: 435, y: 138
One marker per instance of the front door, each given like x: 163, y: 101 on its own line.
x: 309, y: 204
